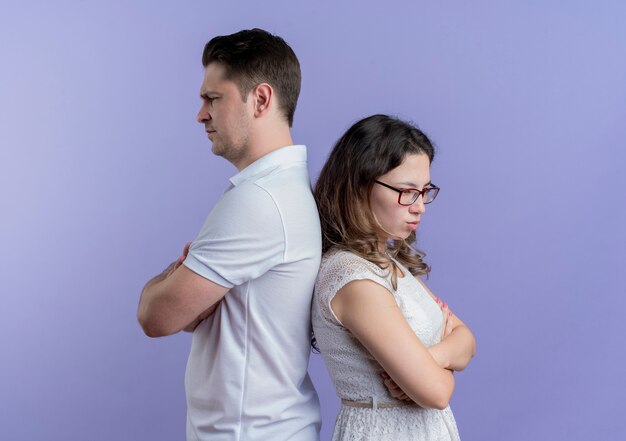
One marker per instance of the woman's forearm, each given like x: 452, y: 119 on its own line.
x: 456, y: 350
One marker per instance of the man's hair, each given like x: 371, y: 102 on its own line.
x: 254, y: 56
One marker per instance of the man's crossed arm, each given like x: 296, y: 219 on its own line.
x: 177, y: 299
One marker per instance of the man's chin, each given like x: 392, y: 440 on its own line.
x: 217, y: 150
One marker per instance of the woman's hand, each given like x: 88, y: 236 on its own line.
x: 372, y: 315
x: 448, y: 324
x: 393, y: 388
x: 448, y: 320
x: 457, y: 345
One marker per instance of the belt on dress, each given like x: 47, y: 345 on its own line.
x: 375, y: 405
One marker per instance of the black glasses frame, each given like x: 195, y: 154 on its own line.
x: 418, y: 193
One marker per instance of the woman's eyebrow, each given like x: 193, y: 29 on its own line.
x: 413, y: 184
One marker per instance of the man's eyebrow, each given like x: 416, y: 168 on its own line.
x: 205, y: 94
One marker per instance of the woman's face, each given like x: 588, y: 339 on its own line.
x: 398, y: 220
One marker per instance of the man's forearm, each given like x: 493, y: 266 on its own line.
x: 160, y: 277
x: 148, y: 296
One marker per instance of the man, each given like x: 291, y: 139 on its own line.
x: 244, y: 285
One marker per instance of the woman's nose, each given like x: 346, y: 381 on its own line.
x: 418, y: 206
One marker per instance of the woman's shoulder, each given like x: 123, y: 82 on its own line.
x: 338, y: 256
x: 348, y: 262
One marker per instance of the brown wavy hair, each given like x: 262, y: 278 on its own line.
x: 370, y: 148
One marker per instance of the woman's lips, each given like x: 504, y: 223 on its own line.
x: 413, y: 225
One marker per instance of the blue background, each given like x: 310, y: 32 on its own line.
x: 105, y: 174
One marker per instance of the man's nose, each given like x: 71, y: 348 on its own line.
x: 203, y: 115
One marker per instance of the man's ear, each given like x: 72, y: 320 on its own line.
x: 263, y: 96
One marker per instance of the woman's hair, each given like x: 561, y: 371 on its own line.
x: 370, y: 148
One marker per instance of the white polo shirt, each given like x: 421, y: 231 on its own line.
x: 247, y: 374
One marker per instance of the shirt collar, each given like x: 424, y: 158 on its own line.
x: 283, y: 156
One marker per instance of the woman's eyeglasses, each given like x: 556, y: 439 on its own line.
x: 408, y: 196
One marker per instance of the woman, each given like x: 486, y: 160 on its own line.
x: 389, y: 344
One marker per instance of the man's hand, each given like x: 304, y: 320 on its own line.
x: 193, y: 325
x: 174, y: 265
x: 172, y: 299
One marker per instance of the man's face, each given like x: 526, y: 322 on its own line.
x: 226, y: 117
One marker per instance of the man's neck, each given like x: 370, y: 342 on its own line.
x: 262, y: 145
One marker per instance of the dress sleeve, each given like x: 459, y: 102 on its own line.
x: 242, y: 238
x: 339, y: 269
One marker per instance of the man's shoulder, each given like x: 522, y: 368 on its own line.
x: 246, y: 198
x: 291, y: 176
x: 288, y: 186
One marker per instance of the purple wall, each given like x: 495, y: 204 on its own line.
x: 104, y: 174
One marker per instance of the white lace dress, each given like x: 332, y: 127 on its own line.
x: 356, y: 374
